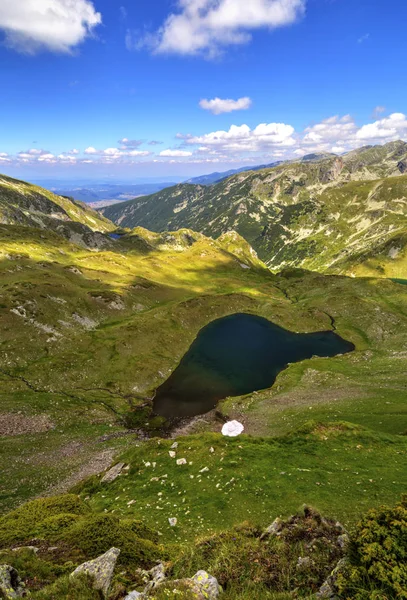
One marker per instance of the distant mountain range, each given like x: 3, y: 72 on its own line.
x: 323, y: 212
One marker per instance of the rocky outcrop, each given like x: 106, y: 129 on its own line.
x: 402, y: 166
x: 101, y: 570
x: 11, y: 586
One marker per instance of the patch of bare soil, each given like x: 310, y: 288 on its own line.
x: 19, y: 424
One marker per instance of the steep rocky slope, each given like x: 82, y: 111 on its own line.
x: 25, y: 204
x: 330, y: 213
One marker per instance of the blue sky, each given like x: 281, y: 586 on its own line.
x: 296, y: 76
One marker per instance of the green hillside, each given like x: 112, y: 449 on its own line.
x: 91, y: 326
x: 25, y: 204
x: 338, y: 214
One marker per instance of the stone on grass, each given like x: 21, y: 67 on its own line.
x: 101, y: 569
x: 156, y: 577
x: 173, y: 521
x: 10, y: 583
x: 135, y: 596
x: 232, y: 429
x: 181, y: 461
x: 113, y: 473
x: 208, y: 584
x: 274, y: 529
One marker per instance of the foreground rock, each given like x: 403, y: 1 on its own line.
x: 10, y: 583
x: 101, y: 570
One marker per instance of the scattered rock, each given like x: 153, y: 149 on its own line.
x: 156, y: 575
x: 134, y: 595
x: 275, y: 528
x: 113, y: 473
x: 181, y: 461
x: 172, y: 454
x: 208, y: 584
x: 101, y: 569
x: 172, y: 521
x: 328, y: 590
x: 10, y: 583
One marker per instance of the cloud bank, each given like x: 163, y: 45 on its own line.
x: 240, y: 144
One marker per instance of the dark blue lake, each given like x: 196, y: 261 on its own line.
x: 237, y: 355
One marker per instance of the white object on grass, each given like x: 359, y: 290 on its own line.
x: 232, y: 429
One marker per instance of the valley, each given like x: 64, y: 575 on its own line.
x: 95, y: 319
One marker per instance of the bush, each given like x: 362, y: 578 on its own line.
x: 23, y: 523
x: 98, y: 533
x: 378, y: 556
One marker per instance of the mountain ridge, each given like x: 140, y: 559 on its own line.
x: 287, y: 212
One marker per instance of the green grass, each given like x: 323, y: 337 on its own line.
x: 91, y: 383
x: 340, y: 469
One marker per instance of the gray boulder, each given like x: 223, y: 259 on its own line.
x: 113, y: 473
x: 101, y: 569
x: 154, y: 577
x: 11, y: 586
x: 208, y: 585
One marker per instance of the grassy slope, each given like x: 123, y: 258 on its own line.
x: 26, y: 204
x: 86, y: 337
x: 341, y: 469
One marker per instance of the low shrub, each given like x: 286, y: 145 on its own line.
x: 377, y: 566
x: 23, y: 523
x: 97, y: 533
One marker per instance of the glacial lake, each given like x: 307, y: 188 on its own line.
x: 234, y: 356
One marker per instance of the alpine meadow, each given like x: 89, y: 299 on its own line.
x: 203, y: 325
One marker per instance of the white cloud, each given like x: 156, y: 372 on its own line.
x: 242, y: 138
x: 56, y: 25
x: 91, y: 150
x: 74, y: 151
x: 208, y: 25
x: 387, y: 129
x: 331, y: 130
x: 218, y: 106
x: 138, y: 153
x: 3, y: 154
x: 176, y: 153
